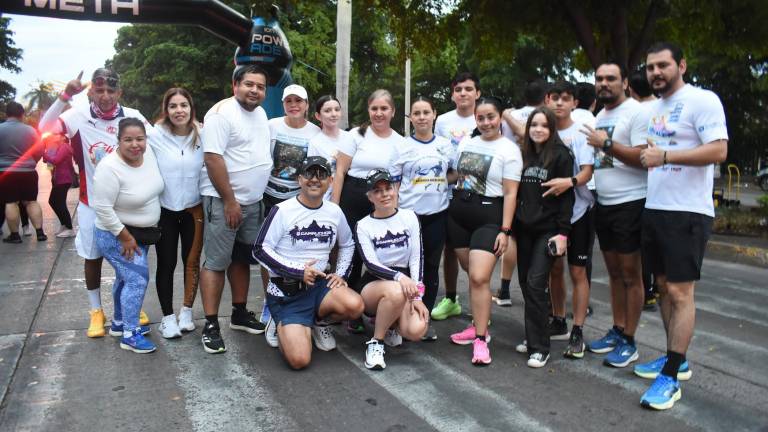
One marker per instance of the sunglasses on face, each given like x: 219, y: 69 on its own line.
x: 320, y: 173
x: 109, y: 81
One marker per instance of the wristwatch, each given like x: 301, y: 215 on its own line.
x: 574, y: 181
x: 607, y: 144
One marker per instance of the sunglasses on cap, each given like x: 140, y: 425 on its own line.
x: 315, y: 171
x: 108, y: 81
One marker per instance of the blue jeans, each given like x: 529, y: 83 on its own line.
x: 131, y: 278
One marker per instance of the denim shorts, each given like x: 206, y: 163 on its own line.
x: 301, y: 308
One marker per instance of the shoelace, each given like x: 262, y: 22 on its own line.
x: 376, y: 349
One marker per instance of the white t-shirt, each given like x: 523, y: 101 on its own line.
x: 617, y: 182
x: 371, y: 152
x: 242, y: 138
x: 582, y: 116
x: 293, y: 234
x: 126, y: 195
x: 289, y: 149
x: 482, y: 165
x: 424, y: 166
x: 582, y: 155
x: 690, y: 118
x: 521, y: 115
x: 327, y: 147
x: 391, y: 242
x: 180, y: 162
x: 454, y: 127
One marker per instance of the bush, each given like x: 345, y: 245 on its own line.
x: 750, y: 222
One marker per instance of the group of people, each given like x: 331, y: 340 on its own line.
x: 315, y: 205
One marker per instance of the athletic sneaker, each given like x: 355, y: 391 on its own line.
x: 467, y: 336
x: 356, y: 326
x: 538, y: 360
x: 650, y: 303
x: 576, y: 346
x: 653, y: 368
x: 265, y: 314
x: 42, y: 237
x: 663, y: 394
x: 143, y: 318
x: 606, y: 343
x: 245, y: 320
x: 622, y: 355
x: 522, y: 347
x: 116, y: 330
x: 27, y: 230
x: 374, y: 355
x: 393, y: 338
x: 137, y: 343
x: 558, y: 329
x: 446, y: 308
x: 503, y: 299
x: 96, y: 327
x: 212, y: 341
x: 323, y: 337
x: 271, y: 334
x: 430, y: 335
x: 169, y: 328
x: 12, y: 238
x: 66, y: 233
x: 481, y: 355
x: 186, y: 323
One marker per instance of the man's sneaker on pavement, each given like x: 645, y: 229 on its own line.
x: 323, y: 336
x: 137, y: 343
x: 481, y: 355
x: 522, y: 347
x: 622, y: 355
x: 245, y: 320
x: 12, y: 238
x: 430, y: 335
x: 467, y: 336
x: 212, y: 340
x: 576, y: 346
x: 650, y: 303
x: 116, y: 330
x: 503, y: 299
x: 652, y: 369
x: 143, y: 318
x: 663, y: 394
x: 169, y: 328
x: 538, y: 360
x: 446, y: 308
x: 374, y: 355
x: 66, y: 233
x: 96, y: 327
x: 558, y: 329
x: 392, y: 338
x: 271, y: 334
x: 606, y: 343
x: 186, y: 323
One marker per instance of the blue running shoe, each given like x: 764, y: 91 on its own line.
x: 606, y: 343
x: 137, y: 343
x: 622, y: 355
x: 116, y: 330
x: 265, y: 314
x: 653, y: 368
x: 663, y: 394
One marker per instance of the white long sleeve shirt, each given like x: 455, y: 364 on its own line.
x: 389, y: 243
x: 180, y: 162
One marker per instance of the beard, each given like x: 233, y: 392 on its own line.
x: 608, y: 99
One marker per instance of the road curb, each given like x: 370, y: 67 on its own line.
x: 751, y: 255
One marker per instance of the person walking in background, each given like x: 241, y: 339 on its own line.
x: 58, y: 153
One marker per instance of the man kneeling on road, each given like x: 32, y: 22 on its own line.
x: 295, y: 244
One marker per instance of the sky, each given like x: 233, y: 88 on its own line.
x: 56, y: 50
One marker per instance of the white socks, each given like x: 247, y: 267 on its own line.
x: 94, y: 296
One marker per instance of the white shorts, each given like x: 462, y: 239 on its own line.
x: 85, y: 241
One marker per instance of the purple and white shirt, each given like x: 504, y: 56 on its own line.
x: 394, y: 241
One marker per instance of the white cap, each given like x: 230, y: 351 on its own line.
x: 295, y: 89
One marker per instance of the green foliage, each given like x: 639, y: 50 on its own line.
x: 9, y: 57
x: 751, y: 222
x: 40, y: 97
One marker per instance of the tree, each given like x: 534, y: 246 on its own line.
x: 41, y: 97
x: 9, y: 58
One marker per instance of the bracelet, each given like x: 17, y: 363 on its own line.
x: 66, y: 96
x: 665, y: 158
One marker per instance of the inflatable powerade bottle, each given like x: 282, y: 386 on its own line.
x: 268, y: 47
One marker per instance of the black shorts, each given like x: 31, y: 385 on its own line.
x: 18, y: 186
x: 674, y: 242
x: 618, y: 226
x: 582, y: 239
x: 474, y: 221
x: 369, y: 277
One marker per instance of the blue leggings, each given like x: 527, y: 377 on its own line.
x: 131, y: 279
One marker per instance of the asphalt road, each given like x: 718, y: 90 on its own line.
x: 54, y: 378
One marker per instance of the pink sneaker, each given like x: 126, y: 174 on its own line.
x: 480, y: 354
x: 467, y: 336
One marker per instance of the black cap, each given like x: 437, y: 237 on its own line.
x: 376, y: 176
x: 316, y: 161
x: 110, y: 77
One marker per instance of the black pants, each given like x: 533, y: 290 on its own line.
x: 58, y: 202
x: 533, y: 267
x: 433, y: 239
x: 355, y: 205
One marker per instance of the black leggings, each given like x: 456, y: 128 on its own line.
x: 355, y: 205
x: 533, y: 267
x: 433, y: 228
x: 58, y: 202
x: 187, y: 224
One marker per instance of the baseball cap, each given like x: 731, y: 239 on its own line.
x: 376, y: 176
x: 295, y: 89
x: 316, y: 161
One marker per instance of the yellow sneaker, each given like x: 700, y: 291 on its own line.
x: 96, y: 328
x: 143, y: 318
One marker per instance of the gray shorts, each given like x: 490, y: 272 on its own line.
x: 222, y: 244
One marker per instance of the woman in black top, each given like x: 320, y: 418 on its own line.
x: 542, y: 225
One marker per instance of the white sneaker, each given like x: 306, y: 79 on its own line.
x: 537, y: 360
x: 374, y: 355
x: 28, y: 230
x: 522, y: 347
x: 323, y: 337
x: 393, y: 338
x: 271, y: 334
x: 169, y: 328
x: 186, y: 323
x: 66, y: 233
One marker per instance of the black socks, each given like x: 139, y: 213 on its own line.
x: 504, y: 287
x: 672, y: 366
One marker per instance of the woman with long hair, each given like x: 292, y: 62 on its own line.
x: 331, y: 138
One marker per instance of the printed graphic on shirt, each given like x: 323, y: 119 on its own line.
x: 535, y: 174
x: 659, y: 127
x: 287, y: 160
x: 428, y: 173
x: 473, y: 171
x: 390, y: 240
x: 458, y: 134
x: 97, y: 151
x: 603, y: 159
x: 314, y: 232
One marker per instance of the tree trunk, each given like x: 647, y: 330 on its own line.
x: 583, y: 30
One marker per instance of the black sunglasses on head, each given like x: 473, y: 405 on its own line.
x: 109, y: 81
x: 315, y: 171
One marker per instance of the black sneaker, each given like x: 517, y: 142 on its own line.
x: 12, y: 238
x: 212, y: 341
x: 246, y: 321
x: 575, y: 346
x: 502, y: 298
x: 558, y: 329
x: 650, y: 303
